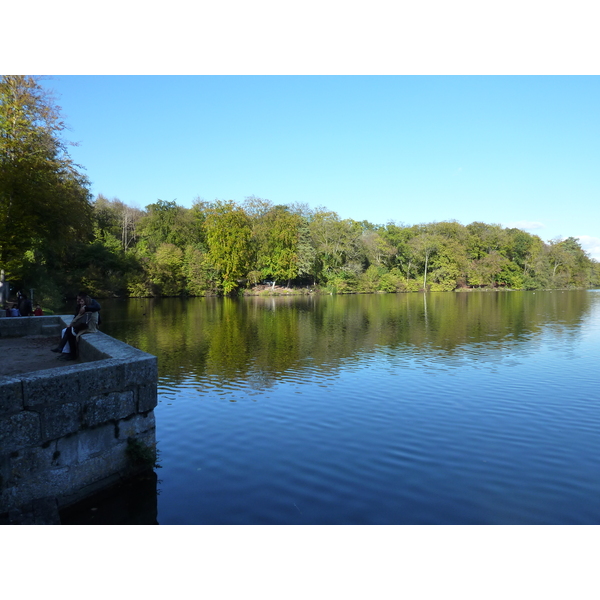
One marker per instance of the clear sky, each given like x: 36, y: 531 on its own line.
x: 520, y: 151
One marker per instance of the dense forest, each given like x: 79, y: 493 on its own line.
x: 56, y: 238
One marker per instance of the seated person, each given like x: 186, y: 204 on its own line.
x: 85, y: 320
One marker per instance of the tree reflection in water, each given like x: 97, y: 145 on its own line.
x: 257, y: 339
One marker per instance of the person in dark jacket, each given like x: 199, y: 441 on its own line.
x: 91, y: 305
x: 25, y: 307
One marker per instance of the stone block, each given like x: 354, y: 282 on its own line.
x: 52, y: 481
x: 67, y: 449
x: 20, y: 430
x: 88, y: 349
x: 61, y: 419
x: 50, y: 386
x: 50, y: 329
x: 27, y: 462
x: 28, y: 325
x: 11, y: 395
x: 136, y: 426
x: 147, y: 397
x: 148, y: 438
x: 46, y: 483
x: 99, y: 378
x: 94, y: 442
x: 111, y: 461
x: 111, y: 406
x: 13, y: 327
x: 116, y: 349
x: 8, y: 500
x: 110, y: 347
x: 139, y: 371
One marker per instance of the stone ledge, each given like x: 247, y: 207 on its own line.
x: 11, y: 394
x: 22, y: 326
x: 110, y: 365
x: 64, y: 431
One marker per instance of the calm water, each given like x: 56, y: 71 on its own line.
x: 382, y: 409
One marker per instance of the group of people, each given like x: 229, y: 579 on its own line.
x: 85, y: 320
x: 22, y: 307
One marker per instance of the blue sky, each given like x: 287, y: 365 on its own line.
x: 519, y: 151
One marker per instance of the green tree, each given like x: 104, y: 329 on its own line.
x: 306, y: 252
x: 448, y: 265
x: 200, y: 277
x: 116, y: 219
x: 337, y: 245
x: 399, y: 236
x: 560, y: 256
x: 166, y: 270
x: 229, y: 239
x: 484, y: 238
x: 486, y: 270
x: 168, y: 223
x: 519, y: 246
x: 449, y: 262
x: 44, y: 197
x: 571, y: 265
x: 378, y: 250
x: 277, y: 236
x: 424, y: 245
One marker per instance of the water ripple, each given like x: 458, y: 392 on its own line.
x: 500, y: 425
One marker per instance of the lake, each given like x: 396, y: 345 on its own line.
x: 439, y: 408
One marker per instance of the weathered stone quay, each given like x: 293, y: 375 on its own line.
x: 69, y: 430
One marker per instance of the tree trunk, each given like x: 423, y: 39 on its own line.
x: 555, y: 267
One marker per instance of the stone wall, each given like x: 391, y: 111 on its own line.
x: 68, y: 432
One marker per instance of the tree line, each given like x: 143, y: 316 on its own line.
x: 54, y: 237
x: 223, y: 247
